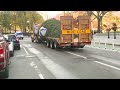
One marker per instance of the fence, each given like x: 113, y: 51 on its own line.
x: 104, y: 43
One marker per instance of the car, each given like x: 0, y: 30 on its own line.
x: 15, y: 40
x: 19, y: 35
x: 11, y: 44
x: 4, y: 57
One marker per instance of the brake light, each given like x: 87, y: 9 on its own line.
x: 1, y: 50
x: 17, y: 40
x: 1, y: 53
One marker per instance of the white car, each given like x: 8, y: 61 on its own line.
x: 19, y: 35
x: 11, y: 45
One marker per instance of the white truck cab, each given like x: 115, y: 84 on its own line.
x: 19, y: 35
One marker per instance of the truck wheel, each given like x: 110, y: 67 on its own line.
x: 32, y: 40
x: 48, y: 44
x: 5, y: 74
x: 51, y: 44
x: 82, y: 46
x: 55, y: 45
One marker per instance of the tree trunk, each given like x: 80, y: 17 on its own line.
x: 99, y: 21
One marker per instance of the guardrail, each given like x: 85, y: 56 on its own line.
x: 111, y: 44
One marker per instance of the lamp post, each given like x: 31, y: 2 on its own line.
x: 114, y: 27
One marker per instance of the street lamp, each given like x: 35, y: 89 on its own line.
x: 108, y: 30
x: 114, y: 27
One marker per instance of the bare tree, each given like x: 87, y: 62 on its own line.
x: 99, y: 15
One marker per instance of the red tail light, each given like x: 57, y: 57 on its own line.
x: 17, y: 40
x: 1, y: 51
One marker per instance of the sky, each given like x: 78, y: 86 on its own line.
x: 50, y: 14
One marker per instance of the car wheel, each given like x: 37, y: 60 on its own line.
x: 12, y: 53
x: 19, y: 48
x: 5, y: 74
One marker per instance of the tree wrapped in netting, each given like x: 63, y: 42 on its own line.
x: 53, y: 28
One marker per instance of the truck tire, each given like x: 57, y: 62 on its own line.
x: 48, y: 43
x: 55, y: 45
x: 82, y: 46
x: 52, y: 44
x: 32, y: 40
x: 5, y: 74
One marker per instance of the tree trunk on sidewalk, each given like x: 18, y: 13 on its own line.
x: 99, y: 25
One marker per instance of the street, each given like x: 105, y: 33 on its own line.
x: 36, y: 61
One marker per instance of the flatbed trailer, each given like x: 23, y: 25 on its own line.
x: 70, y: 36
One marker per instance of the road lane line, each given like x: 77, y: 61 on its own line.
x: 41, y: 76
x: 26, y: 51
x: 76, y: 55
x: 107, y: 65
x: 57, y: 70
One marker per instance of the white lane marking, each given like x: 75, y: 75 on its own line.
x: 26, y: 45
x: 107, y: 65
x: 19, y: 56
x: 33, y: 50
x: 20, y: 46
x: 32, y: 64
x: 57, y: 70
x: 76, y: 55
x: 26, y: 51
x: 113, y: 61
x: 29, y: 56
x: 35, y: 67
x: 41, y: 76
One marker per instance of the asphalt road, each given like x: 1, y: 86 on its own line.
x: 36, y: 61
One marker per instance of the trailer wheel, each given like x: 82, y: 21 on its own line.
x: 48, y: 43
x: 55, y: 45
x: 32, y: 40
x: 82, y: 46
x: 51, y: 44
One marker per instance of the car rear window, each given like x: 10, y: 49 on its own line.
x: 11, y: 37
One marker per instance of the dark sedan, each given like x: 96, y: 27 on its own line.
x: 15, y: 41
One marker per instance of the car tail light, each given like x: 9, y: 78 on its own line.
x: 17, y: 40
x: 1, y: 52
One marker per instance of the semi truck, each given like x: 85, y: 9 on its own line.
x: 74, y: 33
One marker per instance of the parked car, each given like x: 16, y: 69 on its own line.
x: 15, y: 41
x: 19, y: 35
x: 11, y: 44
x: 4, y: 57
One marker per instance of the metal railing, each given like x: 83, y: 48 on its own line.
x: 103, y: 43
